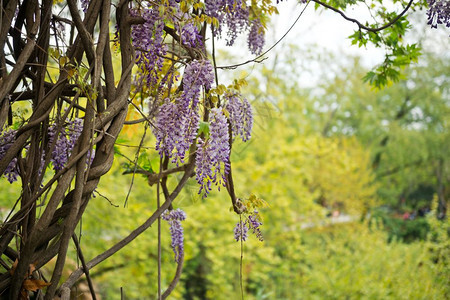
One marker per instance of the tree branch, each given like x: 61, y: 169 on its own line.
x: 361, y: 26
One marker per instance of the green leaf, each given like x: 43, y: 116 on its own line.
x: 204, y: 128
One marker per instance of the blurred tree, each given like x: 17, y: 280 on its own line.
x: 406, y: 127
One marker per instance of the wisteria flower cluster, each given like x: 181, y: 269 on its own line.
x: 85, y: 5
x: 174, y: 218
x: 147, y: 39
x: 67, y: 137
x: 190, y: 35
x: 213, y: 155
x: 177, y: 121
x: 240, y: 232
x: 252, y: 222
x: 177, y: 125
x: 234, y: 14
x: 438, y: 13
x: 241, y: 116
x: 256, y: 38
x: 6, y: 141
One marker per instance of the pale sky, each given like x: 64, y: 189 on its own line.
x: 326, y: 32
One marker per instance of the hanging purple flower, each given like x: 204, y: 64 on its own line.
x: 240, y: 232
x: 197, y: 74
x: 167, y: 131
x: 147, y: 40
x: 254, y: 223
x: 438, y: 13
x: 231, y: 13
x: 236, y: 19
x: 190, y: 35
x: 219, y: 144
x: 176, y: 128
x: 177, y: 121
x: 84, y: 5
x: 241, y: 116
x: 6, y: 141
x: 213, y: 155
x: 174, y: 218
x: 203, y: 168
x: 66, y: 139
x: 256, y: 39
x: 248, y: 120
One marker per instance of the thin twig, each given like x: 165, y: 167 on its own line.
x: 214, y: 62
x: 106, y: 198
x: 260, y: 58
x: 158, y: 204
x: 176, y: 278
x: 241, y: 279
x: 361, y: 26
x: 135, y: 165
x: 83, y: 263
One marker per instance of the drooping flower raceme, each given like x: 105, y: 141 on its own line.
x: 252, y: 222
x: 232, y: 13
x: 236, y: 19
x: 241, y: 116
x: 438, y: 13
x: 166, y: 131
x: 256, y: 39
x: 212, y: 161
x: 85, y: 5
x: 241, y: 231
x: 66, y: 139
x: 177, y: 121
x: 190, y: 35
x: 248, y: 120
x: 6, y: 141
x: 174, y: 217
x: 147, y: 39
x: 197, y: 74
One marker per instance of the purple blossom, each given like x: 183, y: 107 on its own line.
x: 6, y: 140
x: 248, y: 120
x: 438, y: 13
x: 241, y: 116
x: 203, y: 167
x: 147, y: 39
x: 166, y: 131
x: 84, y: 5
x: 254, y: 223
x: 177, y: 121
x: 213, y: 155
x: 256, y: 37
x: 232, y: 13
x: 174, y: 217
x: 176, y: 128
x: 66, y: 139
x: 213, y: 8
x: 198, y: 73
x: 236, y: 19
x: 240, y: 232
x: 219, y: 143
x: 190, y: 35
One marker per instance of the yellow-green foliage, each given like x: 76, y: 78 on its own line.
x: 299, y: 171
x: 301, y: 176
